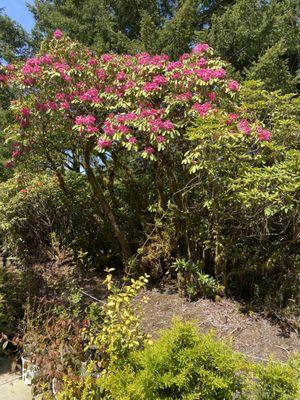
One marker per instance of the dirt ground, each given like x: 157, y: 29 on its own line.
x: 254, y: 336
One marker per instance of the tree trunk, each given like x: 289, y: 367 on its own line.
x: 118, y: 232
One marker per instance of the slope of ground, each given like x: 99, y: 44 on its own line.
x: 250, y: 334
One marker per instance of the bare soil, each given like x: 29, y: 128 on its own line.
x: 251, y: 334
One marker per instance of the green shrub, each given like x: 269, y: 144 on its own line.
x: 278, y: 381
x: 34, y: 211
x: 180, y: 365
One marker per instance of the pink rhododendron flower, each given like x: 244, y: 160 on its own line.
x: 121, y: 76
x: 108, y: 128
x: 202, y: 108
x: 205, y: 74
x: 219, y: 73
x: 101, y: 74
x: 233, y: 86
x: 46, y: 59
x: 160, y: 139
x: 109, y: 89
x: 173, y: 65
x: 3, y: 78
x: 202, y: 62
x: 92, y: 62
x: 212, y: 96
x: 41, y: 107
x: 60, y: 96
x: 176, y: 75
x: 89, y: 95
x: 57, y: 34
x: 184, y: 56
x: 243, y: 125
x: 85, y: 120
x: 64, y: 105
x: 79, y: 68
x: 187, y: 72
x: 149, y: 150
x: 231, y: 118
x: 32, y: 66
x: 159, y: 80
x: 200, y: 48
x: 263, y: 134
x: 104, y: 143
x: 25, y: 112
x: 183, y: 96
x: 66, y: 78
x: 50, y: 105
x: 130, y: 116
x: 61, y: 66
x: 91, y: 129
x: 132, y: 140
x: 123, y: 129
x: 107, y: 57
x: 129, y: 85
x: 148, y: 112
x: 167, y: 125
x: 150, y: 86
x: 16, y: 153
x: 9, y: 164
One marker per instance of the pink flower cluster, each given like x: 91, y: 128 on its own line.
x: 91, y: 95
x: 62, y: 68
x: 263, y: 134
x: 147, y: 59
x: 200, y: 48
x: 88, y: 123
x: 231, y: 118
x: 202, y: 109
x: 57, y: 34
x: 243, y: 125
x: 3, y: 78
x: 32, y: 66
x: 104, y: 143
x: 233, y: 86
x: 149, y: 150
x: 101, y: 74
x: 173, y: 65
x: 158, y: 124
x: 88, y: 120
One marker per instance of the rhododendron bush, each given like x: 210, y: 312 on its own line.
x: 102, y: 115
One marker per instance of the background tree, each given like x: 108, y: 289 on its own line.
x: 261, y: 40
x: 14, y: 40
x: 14, y: 45
x: 127, y: 26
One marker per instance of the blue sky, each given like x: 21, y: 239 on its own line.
x: 17, y: 10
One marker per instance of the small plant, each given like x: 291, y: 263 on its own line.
x: 53, y: 339
x: 118, y: 332
x: 113, y: 334
x: 193, y: 283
